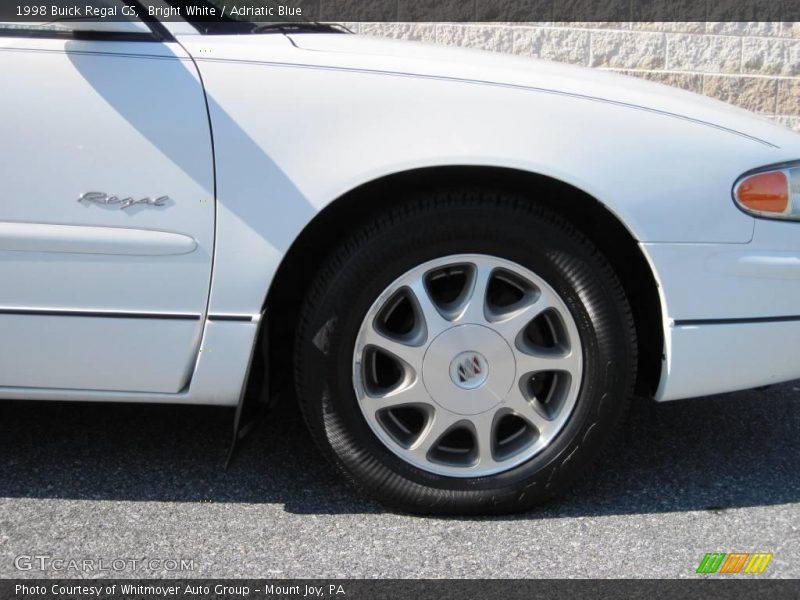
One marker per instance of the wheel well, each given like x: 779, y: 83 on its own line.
x: 358, y: 206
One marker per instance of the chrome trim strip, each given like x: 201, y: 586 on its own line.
x: 738, y: 321
x: 247, y: 318
x: 101, y: 314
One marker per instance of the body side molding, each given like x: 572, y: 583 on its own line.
x: 80, y: 239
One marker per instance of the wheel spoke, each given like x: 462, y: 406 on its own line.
x: 524, y: 409
x: 475, y: 309
x: 435, y: 323
x: 413, y: 394
x: 533, y: 360
x: 439, y: 424
x: 513, y: 323
x: 484, y: 436
x: 410, y: 355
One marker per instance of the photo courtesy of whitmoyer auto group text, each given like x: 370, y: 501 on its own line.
x: 399, y: 299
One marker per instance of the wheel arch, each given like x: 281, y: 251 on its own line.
x: 357, y: 206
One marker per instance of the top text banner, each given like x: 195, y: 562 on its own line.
x: 260, y: 11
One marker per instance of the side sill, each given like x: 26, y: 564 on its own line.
x: 218, y: 377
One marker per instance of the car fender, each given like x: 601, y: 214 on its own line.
x: 291, y: 138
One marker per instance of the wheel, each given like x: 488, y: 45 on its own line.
x: 465, y: 353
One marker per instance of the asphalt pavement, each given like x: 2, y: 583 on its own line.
x: 102, y: 482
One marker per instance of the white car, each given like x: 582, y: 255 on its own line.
x: 465, y: 264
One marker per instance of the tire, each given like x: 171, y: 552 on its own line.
x: 495, y: 459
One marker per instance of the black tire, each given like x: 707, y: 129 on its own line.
x: 436, y: 224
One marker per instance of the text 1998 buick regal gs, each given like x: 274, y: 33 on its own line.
x: 464, y: 264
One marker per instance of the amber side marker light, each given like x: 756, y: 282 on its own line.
x: 770, y: 193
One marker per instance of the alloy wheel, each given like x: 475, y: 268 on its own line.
x: 467, y: 365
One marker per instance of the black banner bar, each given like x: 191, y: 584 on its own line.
x: 741, y: 587
x: 259, y: 11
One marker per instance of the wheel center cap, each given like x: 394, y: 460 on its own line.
x: 469, y: 370
x: 468, y: 382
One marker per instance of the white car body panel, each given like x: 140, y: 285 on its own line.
x: 300, y: 120
x: 715, y: 358
x: 56, y: 351
x: 733, y: 312
x: 222, y: 365
x: 759, y: 279
x: 103, y: 135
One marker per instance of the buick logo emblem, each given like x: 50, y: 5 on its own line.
x: 469, y: 370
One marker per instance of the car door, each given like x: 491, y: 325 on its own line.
x: 106, y: 210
